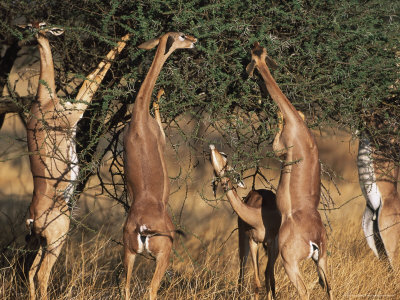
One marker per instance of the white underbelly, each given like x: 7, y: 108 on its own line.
x: 74, y: 169
x: 366, y: 174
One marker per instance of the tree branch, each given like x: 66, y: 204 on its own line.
x: 10, y: 105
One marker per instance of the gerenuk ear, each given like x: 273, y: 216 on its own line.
x: 170, y: 42
x: 271, y: 63
x: 250, y: 68
x: 302, y: 115
x: 56, y: 31
x: 150, y: 44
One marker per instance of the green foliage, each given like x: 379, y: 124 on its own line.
x: 336, y: 60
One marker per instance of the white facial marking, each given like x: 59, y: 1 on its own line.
x: 366, y: 174
x: 56, y: 31
x: 181, y: 38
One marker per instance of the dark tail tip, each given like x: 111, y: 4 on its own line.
x: 28, y: 238
x: 180, y: 232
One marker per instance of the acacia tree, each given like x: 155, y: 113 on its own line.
x: 336, y: 63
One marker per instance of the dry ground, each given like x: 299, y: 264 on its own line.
x: 204, y: 265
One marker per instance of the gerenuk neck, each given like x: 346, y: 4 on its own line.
x: 290, y: 114
x: 46, y: 88
x: 141, y: 108
x: 302, y: 174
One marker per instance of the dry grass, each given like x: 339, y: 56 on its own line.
x: 90, y: 268
x: 204, y: 265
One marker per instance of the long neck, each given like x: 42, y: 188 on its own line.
x: 250, y: 215
x: 290, y: 114
x: 94, y: 79
x: 47, y: 88
x: 141, y: 107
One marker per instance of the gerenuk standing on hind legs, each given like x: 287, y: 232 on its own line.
x: 148, y: 226
x: 51, y: 130
x: 302, y: 234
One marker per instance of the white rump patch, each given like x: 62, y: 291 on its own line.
x: 145, y: 245
x: 29, y: 223
x: 143, y: 228
x: 140, y: 244
x: 314, y: 251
